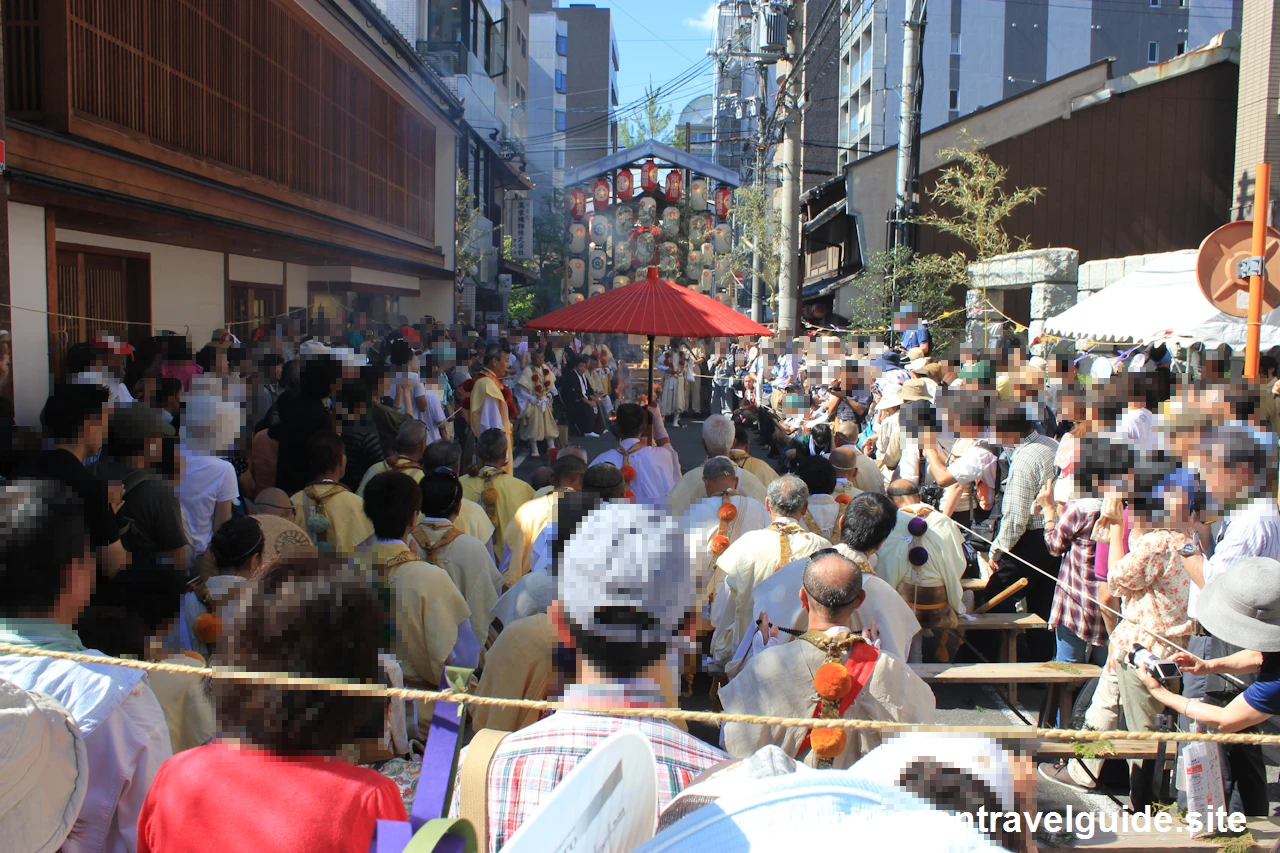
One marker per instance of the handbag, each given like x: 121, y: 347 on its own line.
x: 428, y: 830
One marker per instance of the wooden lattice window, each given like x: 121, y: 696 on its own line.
x: 98, y: 292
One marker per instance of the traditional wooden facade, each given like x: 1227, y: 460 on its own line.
x: 187, y: 164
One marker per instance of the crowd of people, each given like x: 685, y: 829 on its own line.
x: 344, y: 505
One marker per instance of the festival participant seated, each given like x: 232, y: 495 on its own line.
x: 494, y: 487
x: 781, y: 680
x: 47, y: 572
x: 432, y: 619
x: 535, y: 389
x: 754, y: 557
x: 534, y: 515
x: 471, y: 518
x: 717, y: 440
x: 411, y: 443
x: 315, y: 617
x: 626, y: 596
x: 867, y: 523
x: 463, y: 557
x: 579, y: 400
x: 855, y: 472
x: 825, y: 508
x: 654, y: 469
x: 713, y: 526
x: 923, y: 559
x: 333, y: 516
x: 740, y: 455
x: 815, y: 441
x: 489, y: 402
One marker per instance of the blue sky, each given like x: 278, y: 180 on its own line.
x: 661, y: 39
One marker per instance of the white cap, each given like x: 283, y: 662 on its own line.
x: 44, y: 770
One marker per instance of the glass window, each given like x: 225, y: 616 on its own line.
x: 561, y: 120
x: 1153, y: 51
x: 562, y: 45
x: 1155, y: 4
x: 561, y: 82
x: 955, y: 44
x: 1182, y: 48
x: 445, y: 20
x: 523, y: 42
x: 953, y: 100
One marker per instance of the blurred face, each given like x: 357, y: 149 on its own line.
x: 537, y: 358
x: 498, y: 367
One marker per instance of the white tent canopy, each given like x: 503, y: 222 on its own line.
x: 1161, y: 301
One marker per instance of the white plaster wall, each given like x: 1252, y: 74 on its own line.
x: 187, y: 285
x: 28, y: 288
x: 295, y: 285
x: 435, y: 298
x: 255, y: 270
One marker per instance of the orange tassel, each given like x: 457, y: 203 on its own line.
x: 719, y: 544
x: 827, y: 743
x: 207, y: 628
x: 728, y: 512
x: 832, y: 681
x: 628, y: 473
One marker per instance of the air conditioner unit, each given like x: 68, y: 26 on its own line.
x: 771, y: 31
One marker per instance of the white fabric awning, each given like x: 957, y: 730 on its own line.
x: 1161, y: 301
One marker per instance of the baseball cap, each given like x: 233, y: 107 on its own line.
x: 112, y: 344
x: 133, y: 423
x: 44, y: 770
x: 978, y: 370
x: 628, y: 556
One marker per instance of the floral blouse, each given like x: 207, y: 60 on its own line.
x: 1154, y: 587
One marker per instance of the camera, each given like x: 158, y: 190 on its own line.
x: 1161, y: 670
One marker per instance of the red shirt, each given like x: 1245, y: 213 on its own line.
x: 219, y: 797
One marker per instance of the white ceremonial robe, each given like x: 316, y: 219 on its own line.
x: 691, y: 489
x: 866, y: 476
x: 779, y: 596
x: 747, y: 562
x: 657, y: 470
x: 702, y: 521
x: 675, y: 383
x: 467, y: 563
x: 779, y: 682
x: 944, y: 567
x: 825, y: 510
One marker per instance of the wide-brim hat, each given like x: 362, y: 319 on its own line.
x: 44, y: 770
x: 913, y: 389
x: 1241, y: 606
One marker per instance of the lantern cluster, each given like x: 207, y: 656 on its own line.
x: 677, y: 221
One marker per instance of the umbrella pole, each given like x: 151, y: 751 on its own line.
x: 648, y: 394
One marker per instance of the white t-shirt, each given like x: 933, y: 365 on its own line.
x: 433, y: 415
x: 1136, y: 425
x: 206, y: 482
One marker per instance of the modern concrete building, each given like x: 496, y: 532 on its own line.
x: 696, y: 118
x: 738, y: 94
x: 979, y: 52
x: 1258, y: 124
x: 590, y: 124
x: 548, y: 101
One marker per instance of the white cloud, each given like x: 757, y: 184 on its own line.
x: 707, y: 21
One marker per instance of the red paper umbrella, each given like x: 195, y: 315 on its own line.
x: 655, y: 307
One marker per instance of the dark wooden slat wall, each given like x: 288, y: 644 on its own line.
x: 1149, y: 171
x: 250, y: 85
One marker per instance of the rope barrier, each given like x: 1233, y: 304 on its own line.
x: 296, y: 682
x: 148, y: 323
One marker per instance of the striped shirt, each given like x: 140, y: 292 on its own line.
x: 529, y: 763
x: 1075, y: 600
x: 1030, y: 468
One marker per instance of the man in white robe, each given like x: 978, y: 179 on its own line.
x: 534, y: 515
x: 756, y: 556
x: 656, y: 466
x: 780, y: 679
x: 868, y: 521
x: 855, y: 472
x: 825, y: 509
x: 704, y: 522
x: 717, y: 440
x: 933, y: 589
x: 677, y: 374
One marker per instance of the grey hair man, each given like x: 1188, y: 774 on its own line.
x: 756, y: 556
x: 410, y: 444
x: 717, y: 441
x: 719, y: 475
x: 778, y: 680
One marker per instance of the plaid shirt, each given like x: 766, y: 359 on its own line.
x: 1029, y: 469
x: 1075, y: 604
x: 530, y: 763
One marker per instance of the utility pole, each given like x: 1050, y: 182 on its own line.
x: 789, y: 155
x: 757, y: 254
x: 901, y: 229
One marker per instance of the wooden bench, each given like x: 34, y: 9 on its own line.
x: 1137, y: 750
x: 1060, y: 679
x: 1011, y: 625
x: 984, y: 575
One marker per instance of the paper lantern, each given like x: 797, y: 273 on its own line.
x: 620, y: 281
x: 577, y: 238
x: 643, y: 249
x: 648, y: 213
x: 724, y: 202
x: 708, y: 254
x: 720, y: 236
x: 671, y: 223
x: 675, y: 185
x: 597, y: 289
x: 700, y: 225
x: 577, y: 297
x: 722, y: 270
x: 669, y: 254
x: 600, y: 194
x: 600, y: 227
x: 698, y: 192
x: 621, y: 254
x: 704, y: 281
x: 577, y: 272
x: 577, y: 203
x: 597, y: 263
x: 696, y: 261
x: 625, y: 185
x: 624, y: 218
x: 648, y: 176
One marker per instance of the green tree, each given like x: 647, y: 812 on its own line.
x: 972, y: 205
x: 757, y: 220
x: 653, y: 122
x: 468, y: 253
x: 522, y: 303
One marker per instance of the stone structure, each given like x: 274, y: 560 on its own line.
x: 1050, y: 275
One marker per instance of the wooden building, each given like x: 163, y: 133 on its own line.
x: 188, y: 164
